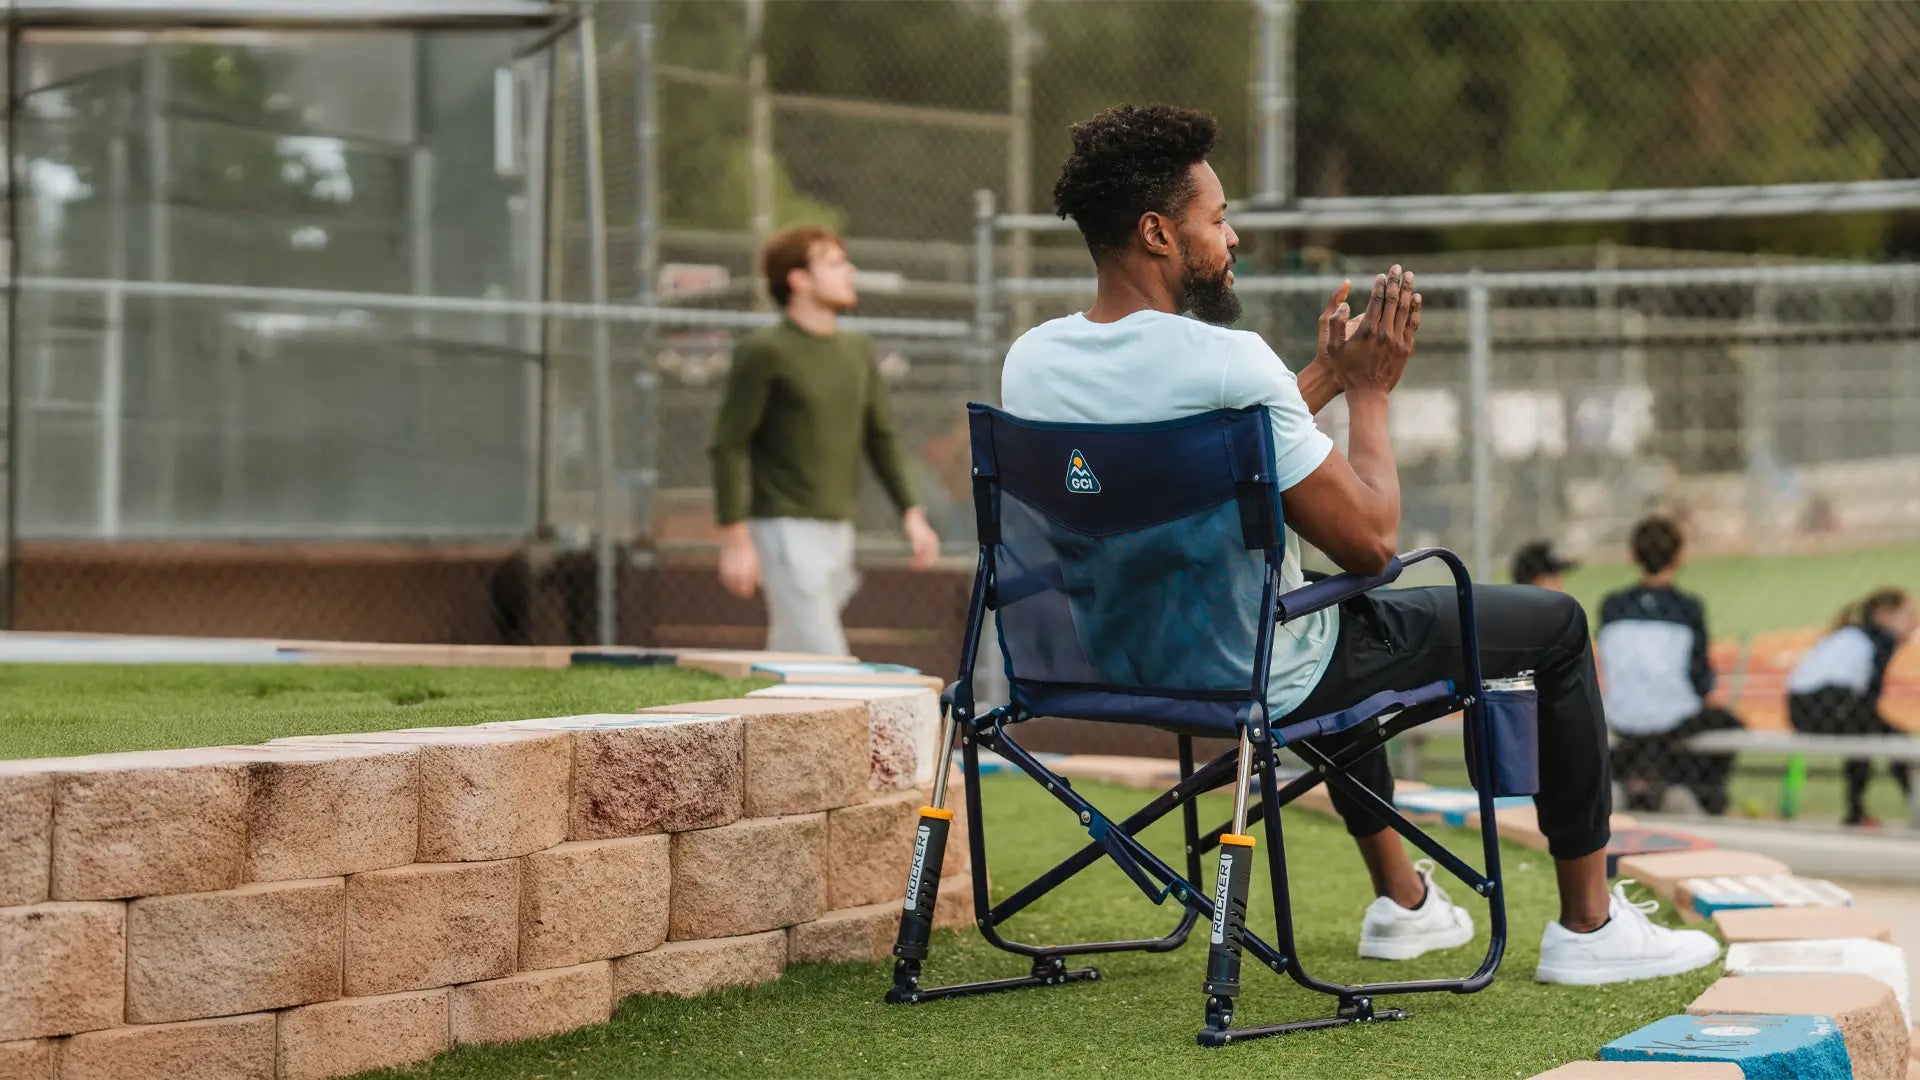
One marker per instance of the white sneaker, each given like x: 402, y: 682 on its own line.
x: 1391, y: 932
x: 1628, y: 948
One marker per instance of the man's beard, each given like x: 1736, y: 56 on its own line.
x: 1209, y: 297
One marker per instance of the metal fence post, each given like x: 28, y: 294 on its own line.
x: 760, y: 158
x: 1273, y: 104
x: 984, y: 293
x: 1020, y: 145
x: 646, y: 257
x: 1479, y: 438
x: 1757, y: 415
x: 9, y: 363
x: 602, y: 410
x: 113, y: 346
x: 420, y: 230
x: 990, y: 684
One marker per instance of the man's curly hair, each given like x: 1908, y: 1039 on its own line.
x: 1126, y: 161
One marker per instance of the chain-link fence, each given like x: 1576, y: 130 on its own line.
x: 211, y: 441
x: 1768, y: 411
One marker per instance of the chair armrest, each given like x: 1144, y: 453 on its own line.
x: 1333, y: 590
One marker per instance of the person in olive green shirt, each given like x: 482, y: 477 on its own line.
x: 804, y: 403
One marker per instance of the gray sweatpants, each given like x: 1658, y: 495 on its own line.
x: 806, y: 568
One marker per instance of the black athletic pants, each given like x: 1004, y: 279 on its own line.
x: 1836, y: 710
x: 1664, y: 759
x: 1397, y: 639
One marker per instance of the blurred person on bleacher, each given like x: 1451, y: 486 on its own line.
x: 804, y: 408
x: 1835, y: 689
x: 1541, y: 565
x: 1655, y: 677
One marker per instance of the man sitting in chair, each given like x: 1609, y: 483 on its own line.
x: 1155, y: 219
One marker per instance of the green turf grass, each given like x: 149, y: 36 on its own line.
x: 1750, y: 593
x: 1753, y: 791
x: 1744, y: 594
x: 51, y: 710
x: 1140, y: 1019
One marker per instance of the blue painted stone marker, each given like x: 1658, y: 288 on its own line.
x: 1765, y: 1047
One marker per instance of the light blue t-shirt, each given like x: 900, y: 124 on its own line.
x: 1153, y: 366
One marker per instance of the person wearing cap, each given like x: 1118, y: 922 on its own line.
x: 1540, y: 564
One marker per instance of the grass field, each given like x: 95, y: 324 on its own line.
x: 1140, y: 1019
x: 1748, y: 594
x: 1744, y: 594
x: 51, y: 710
x: 1753, y: 791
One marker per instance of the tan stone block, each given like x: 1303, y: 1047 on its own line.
x: 691, y: 968
x: 325, y: 811
x: 740, y: 663
x: 725, y: 667
x: 1799, y: 924
x: 862, y: 933
x: 670, y: 776
x: 959, y: 837
x: 144, y: 824
x: 800, y: 756
x: 1516, y: 825
x: 593, y: 900
x: 339, y: 1038
x: 533, y: 1003
x: 862, y: 678
x: 869, y: 848
x: 750, y: 876
x: 261, y: 946
x: 26, y: 1059
x: 953, y: 904
x: 63, y: 968
x: 1864, y: 1008
x: 1644, y: 1070
x: 26, y: 833
x: 230, y: 1048
x: 903, y: 728
x: 1662, y: 872
x: 431, y: 924
x: 1319, y: 800
x: 1133, y: 772
x: 485, y: 793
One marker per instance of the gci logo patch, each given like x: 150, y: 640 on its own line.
x: 1080, y: 478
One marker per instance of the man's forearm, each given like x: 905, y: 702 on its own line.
x: 1318, y: 386
x: 1370, y: 452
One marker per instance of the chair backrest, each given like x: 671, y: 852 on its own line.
x: 1132, y: 567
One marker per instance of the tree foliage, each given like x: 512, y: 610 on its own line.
x: 1448, y: 96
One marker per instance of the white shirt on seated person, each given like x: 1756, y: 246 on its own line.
x: 1152, y: 366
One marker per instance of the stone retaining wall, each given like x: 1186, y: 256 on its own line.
x: 321, y: 906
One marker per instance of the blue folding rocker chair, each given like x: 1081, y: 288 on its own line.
x: 1135, y: 574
